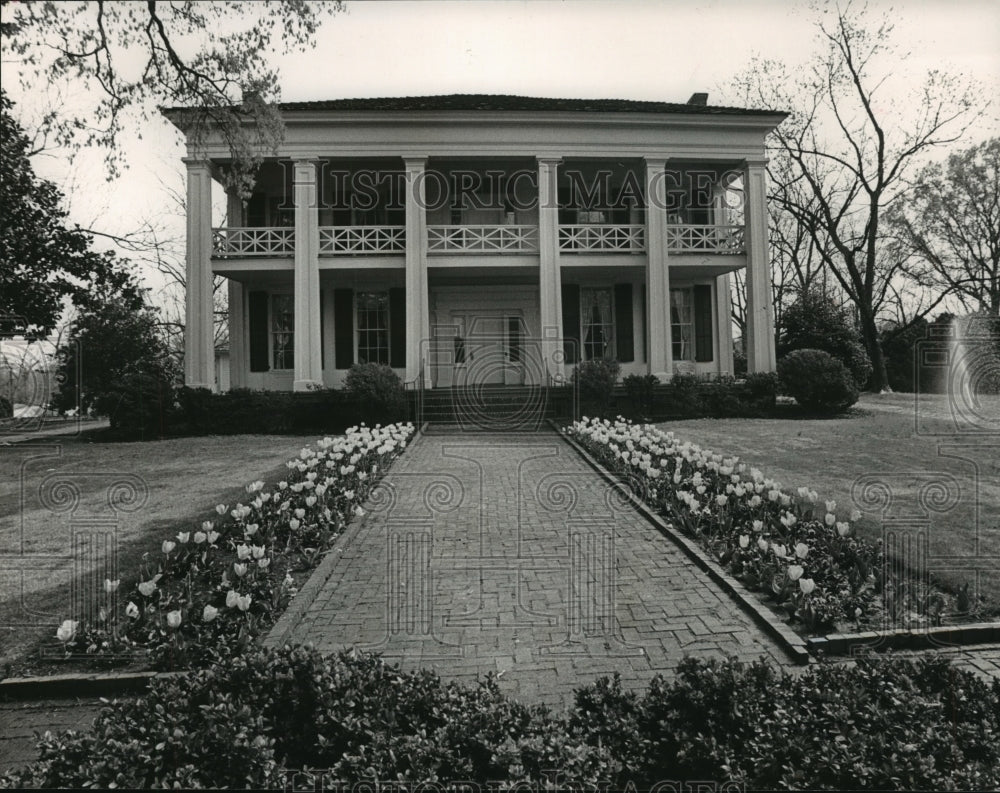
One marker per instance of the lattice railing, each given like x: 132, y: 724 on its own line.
x: 353, y: 240
x: 482, y: 239
x: 602, y: 238
x: 245, y: 241
x: 705, y: 239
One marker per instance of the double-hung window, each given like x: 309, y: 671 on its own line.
x: 682, y: 324
x: 282, y: 332
x: 598, y: 324
x: 373, y: 327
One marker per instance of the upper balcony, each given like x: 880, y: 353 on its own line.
x: 475, y: 209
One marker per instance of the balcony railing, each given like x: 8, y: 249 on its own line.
x: 705, y: 239
x: 482, y: 239
x: 581, y: 238
x: 264, y: 241
x: 355, y: 240
x: 602, y: 238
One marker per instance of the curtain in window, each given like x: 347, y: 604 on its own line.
x: 682, y: 324
x: 597, y: 323
x: 283, y: 331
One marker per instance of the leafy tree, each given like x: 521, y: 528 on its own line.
x: 842, y: 157
x: 814, y: 322
x: 116, y: 362
x: 212, y: 57
x: 43, y: 259
x: 950, y: 226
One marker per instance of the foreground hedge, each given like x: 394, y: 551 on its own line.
x: 884, y: 724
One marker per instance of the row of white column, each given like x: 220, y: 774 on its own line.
x: 199, y: 364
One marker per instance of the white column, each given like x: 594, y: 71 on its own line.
x: 724, y: 326
x: 659, y: 354
x: 549, y: 278
x: 239, y: 365
x: 760, y: 314
x: 308, y: 363
x: 417, y: 308
x: 199, y: 334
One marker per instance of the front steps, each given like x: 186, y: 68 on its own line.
x: 491, y: 408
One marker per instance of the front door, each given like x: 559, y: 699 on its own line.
x: 485, y: 358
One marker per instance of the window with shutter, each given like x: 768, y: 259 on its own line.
x: 703, y: 324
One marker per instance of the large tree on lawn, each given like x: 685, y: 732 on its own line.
x: 950, y: 226
x: 841, y: 159
x: 44, y: 259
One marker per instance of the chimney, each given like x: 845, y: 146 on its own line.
x: 698, y: 99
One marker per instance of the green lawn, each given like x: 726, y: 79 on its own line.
x: 185, y: 479
x: 879, y: 441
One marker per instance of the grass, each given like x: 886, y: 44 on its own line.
x: 879, y: 440
x: 185, y: 479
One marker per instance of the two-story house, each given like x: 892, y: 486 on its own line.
x: 486, y: 239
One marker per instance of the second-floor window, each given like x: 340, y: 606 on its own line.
x: 282, y: 332
x: 598, y: 323
x: 373, y: 327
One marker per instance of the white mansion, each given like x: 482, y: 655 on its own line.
x: 494, y: 238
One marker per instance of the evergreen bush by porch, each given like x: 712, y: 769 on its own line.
x: 879, y: 724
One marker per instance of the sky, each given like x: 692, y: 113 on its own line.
x: 632, y: 49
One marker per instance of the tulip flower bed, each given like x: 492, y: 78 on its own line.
x: 794, y: 551
x: 213, y: 589
x: 270, y: 718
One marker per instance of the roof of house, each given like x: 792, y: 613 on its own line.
x: 508, y: 102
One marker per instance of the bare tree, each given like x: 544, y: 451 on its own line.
x: 950, y: 227
x: 841, y: 159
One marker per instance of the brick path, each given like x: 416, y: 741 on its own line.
x: 20, y: 720
x: 507, y: 553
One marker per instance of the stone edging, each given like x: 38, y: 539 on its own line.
x: 933, y: 638
x: 290, y: 619
x: 78, y: 685
x: 794, y: 645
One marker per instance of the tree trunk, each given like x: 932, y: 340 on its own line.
x: 880, y: 378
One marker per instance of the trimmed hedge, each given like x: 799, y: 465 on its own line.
x: 882, y: 724
x: 198, y: 411
x: 687, y: 396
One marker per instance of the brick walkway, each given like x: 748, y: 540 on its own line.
x: 20, y: 720
x: 507, y: 553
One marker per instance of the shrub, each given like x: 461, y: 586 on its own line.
x: 596, y: 383
x: 640, y: 388
x: 137, y: 403
x: 761, y: 389
x: 378, y: 392
x: 6, y: 408
x: 881, y: 724
x: 817, y: 380
x: 814, y: 322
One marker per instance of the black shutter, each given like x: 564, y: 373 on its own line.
x: 703, y: 323
x: 571, y: 322
x: 624, y: 341
x: 645, y: 330
x: 257, y: 304
x: 322, y: 325
x: 343, y: 327
x: 397, y: 328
